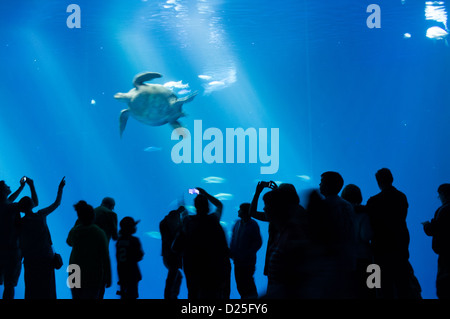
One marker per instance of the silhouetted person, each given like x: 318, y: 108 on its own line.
x: 106, y: 218
x: 37, y: 250
x: 363, y: 232
x: 128, y: 253
x: 91, y: 253
x: 439, y: 229
x: 387, y: 212
x: 286, y: 269
x: 205, y: 250
x: 245, y: 243
x: 10, y: 255
x: 262, y: 216
x: 332, y: 229
x: 169, y: 228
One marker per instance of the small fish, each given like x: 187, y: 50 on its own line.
x: 178, y: 85
x: 214, y: 180
x: 436, y: 33
x: 154, y: 234
x: 224, y: 196
x: 304, y: 178
x: 205, y: 77
x: 152, y: 149
x: 216, y: 84
x: 184, y: 91
x: 407, y: 35
x: 93, y: 102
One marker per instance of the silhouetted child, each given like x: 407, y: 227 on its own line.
x: 128, y: 252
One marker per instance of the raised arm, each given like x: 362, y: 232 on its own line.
x: 254, y: 204
x: 16, y: 194
x: 213, y: 200
x: 57, y: 202
x: 34, y: 196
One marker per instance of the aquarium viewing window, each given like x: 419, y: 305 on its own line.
x: 156, y: 105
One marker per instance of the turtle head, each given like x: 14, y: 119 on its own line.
x: 124, y: 97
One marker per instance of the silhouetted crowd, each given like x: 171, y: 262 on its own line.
x: 28, y: 238
x: 333, y: 248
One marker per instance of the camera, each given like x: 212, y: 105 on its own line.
x: 193, y: 191
x: 265, y: 184
x: 270, y: 184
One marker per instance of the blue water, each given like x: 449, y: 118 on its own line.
x: 343, y: 96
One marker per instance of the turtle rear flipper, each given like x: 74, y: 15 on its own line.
x: 178, y: 127
x: 144, y: 77
x: 123, y: 120
x: 176, y: 124
x: 179, y: 103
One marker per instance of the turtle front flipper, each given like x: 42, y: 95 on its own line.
x: 123, y: 120
x: 144, y: 77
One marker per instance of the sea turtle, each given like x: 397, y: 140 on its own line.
x: 151, y: 104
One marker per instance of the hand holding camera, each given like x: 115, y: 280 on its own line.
x: 261, y: 185
x: 201, y: 191
x: 26, y: 180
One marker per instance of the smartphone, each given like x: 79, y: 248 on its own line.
x: 193, y: 191
x: 264, y: 184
